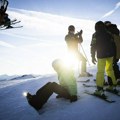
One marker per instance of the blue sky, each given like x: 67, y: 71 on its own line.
x: 91, y: 9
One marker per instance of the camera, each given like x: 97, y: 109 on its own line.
x: 79, y: 33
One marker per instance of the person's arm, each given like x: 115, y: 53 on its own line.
x: 93, y: 49
x: 69, y: 40
x: 79, y: 36
x: 80, y: 39
x: 6, y: 5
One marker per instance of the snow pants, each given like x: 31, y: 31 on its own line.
x: 47, y: 90
x: 116, y: 69
x: 105, y: 64
x: 83, y: 62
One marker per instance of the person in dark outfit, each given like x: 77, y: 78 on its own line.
x: 4, y: 20
x: 66, y: 89
x: 112, y: 28
x: 73, y: 41
x: 103, y: 44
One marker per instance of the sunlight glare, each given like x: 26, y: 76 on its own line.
x: 24, y: 94
x: 70, y: 61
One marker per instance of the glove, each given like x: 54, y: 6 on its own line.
x: 73, y: 98
x: 81, y: 31
x: 94, y: 60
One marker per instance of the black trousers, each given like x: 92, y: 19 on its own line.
x: 43, y: 94
x: 116, y: 71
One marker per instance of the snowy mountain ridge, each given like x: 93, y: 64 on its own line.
x: 17, y: 77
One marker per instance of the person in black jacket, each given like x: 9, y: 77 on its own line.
x: 112, y: 28
x: 102, y: 43
x: 4, y: 19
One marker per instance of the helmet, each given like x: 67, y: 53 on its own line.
x: 99, y: 26
x: 107, y: 23
x: 56, y: 64
x: 71, y: 28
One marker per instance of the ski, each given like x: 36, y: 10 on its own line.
x: 84, y: 80
x: 102, y: 98
x: 11, y: 27
x: 12, y: 23
x: 113, y: 92
x: 2, y: 26
x: 89, y: 75
x: 15, y: 22
x: 15, y: 27
x: 86, y: 85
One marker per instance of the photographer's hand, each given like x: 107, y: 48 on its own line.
x: 81, y: 31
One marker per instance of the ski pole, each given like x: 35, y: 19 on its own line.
x: 85, y: 54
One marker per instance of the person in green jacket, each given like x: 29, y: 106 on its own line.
x: 65, y: 76
x: 66, y: 89
x: 102, y: 44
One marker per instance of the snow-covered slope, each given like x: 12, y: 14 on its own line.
x: 14, y: 106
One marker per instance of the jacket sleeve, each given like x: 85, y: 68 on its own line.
x: 93, y: 46
x: 80, y: 39
x: 68, y: 81
x: 6, y: 5
x: 117, y: 43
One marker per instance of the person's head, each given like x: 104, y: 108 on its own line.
x: 71, y: 29
x: 107, y: 23
x: 99, y: 26
x: 2, y: 8
x: 113, y: 29
x: 57, y: 65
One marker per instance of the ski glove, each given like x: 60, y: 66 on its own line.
x: 94, y: 60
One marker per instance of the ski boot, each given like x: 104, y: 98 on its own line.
x: 34, y: 101
x: 118, y: 82
x: 112, y: 89
x: 73, y: 98
x: 100, y: 92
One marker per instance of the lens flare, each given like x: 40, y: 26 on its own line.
x: 24, y: 94
x: 70, y: 61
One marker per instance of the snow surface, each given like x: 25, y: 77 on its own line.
x: 14, y: 106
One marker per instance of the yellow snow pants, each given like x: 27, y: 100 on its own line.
x: 105, y: 65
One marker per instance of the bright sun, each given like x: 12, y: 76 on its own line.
x: 70, y: 60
